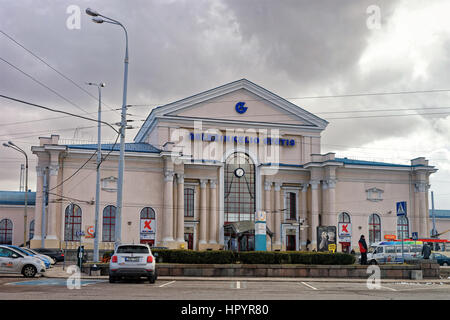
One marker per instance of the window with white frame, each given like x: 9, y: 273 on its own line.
x: 189, y: 202
x: 290, y: 205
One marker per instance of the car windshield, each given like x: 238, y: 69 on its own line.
x: 29, y: 251
x: 21, y: 250
x: 132, y: 249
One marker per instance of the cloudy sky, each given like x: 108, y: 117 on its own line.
x: 300, y: 50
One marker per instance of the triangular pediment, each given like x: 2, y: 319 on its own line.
x: 241, y: 101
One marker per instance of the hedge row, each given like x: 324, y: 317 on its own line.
x: 252, y: 257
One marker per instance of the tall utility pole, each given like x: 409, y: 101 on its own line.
x: 98, y: 18
x: 99, y: 160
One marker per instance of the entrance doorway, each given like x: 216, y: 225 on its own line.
x: 345, y: 247
x: 290, y: 243
x: 189, y: 238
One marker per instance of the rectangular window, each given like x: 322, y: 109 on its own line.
x: 188, y: 202
x: 291, y: 206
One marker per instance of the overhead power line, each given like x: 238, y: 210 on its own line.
x: 57, y: 111
x: 53, y: 68
x: 43, y: 85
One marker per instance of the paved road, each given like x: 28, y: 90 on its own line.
x: 12, y: 287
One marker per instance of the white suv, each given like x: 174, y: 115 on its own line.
x: 132, y: 260
x: 13, y: 261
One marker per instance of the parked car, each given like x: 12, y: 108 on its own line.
x: 440, y: 258
x: 132, y: 260
x: 391, y: 252
x: 55, y: 254
x: 13, y: 261
x: 52, y: 261
x: 46, y: 261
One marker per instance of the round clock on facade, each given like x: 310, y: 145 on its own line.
x: 239, y: 172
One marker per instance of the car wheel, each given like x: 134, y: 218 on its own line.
x: 152, y: 279
x: 445, y: 264
x: 29, y: 271
x: 112, y: 279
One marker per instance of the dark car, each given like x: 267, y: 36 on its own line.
x: 55, y: 254
x: 440, y: 258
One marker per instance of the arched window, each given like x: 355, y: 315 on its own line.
x: 6, y: 231
x: 72, y: 223
x: 31, y: 236
x: 402, y: 227
x: 239, y: 188
x: 147, y: 213
x: 344, y: 217
x: 109, y: 223
x: 374, y: 228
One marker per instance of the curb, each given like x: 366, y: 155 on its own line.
x: 266, y: 279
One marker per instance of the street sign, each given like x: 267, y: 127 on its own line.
x: 415, y: 236
x: 401, y: 208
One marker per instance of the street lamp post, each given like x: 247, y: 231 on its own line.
x: 25, y: 216
x: 99, y: 159
x: 98, y: 19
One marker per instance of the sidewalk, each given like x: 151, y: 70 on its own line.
x: 58, y: 272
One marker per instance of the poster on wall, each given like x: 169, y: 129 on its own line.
x: 326, y: 235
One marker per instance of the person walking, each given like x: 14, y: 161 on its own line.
x: 426, y: 251
x: 363, y: 249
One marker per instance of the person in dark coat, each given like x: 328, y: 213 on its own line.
x: 363, y: 249
x: 426, y: 251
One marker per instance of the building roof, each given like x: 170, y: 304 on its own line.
x: 129, y: 147
x: 441, y: 213
x: 370, y: 163
x: 17, y: 198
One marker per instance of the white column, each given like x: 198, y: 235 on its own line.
x: 303, y: 216
x: 423, y: 217
x: 38, y: 205
x: 278, y: 214
x: 314, y: 212
x: 268, y: 204
x: 53, y: 182
x: 168, y: 206
x: 203, y: 208
x: 180, y: 213
x: 213, y: 212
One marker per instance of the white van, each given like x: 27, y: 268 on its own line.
x: 391, y: 252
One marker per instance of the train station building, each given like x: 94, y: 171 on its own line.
x: 201, y: 169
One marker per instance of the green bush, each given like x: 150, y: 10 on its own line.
x: 194, y: 257
x: 252, y: 257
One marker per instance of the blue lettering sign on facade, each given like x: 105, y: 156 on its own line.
x: 241, y: 139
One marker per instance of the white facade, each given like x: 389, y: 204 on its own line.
x: 180, y: 165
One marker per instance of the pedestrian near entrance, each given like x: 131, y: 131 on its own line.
x: 363, y: 249
x: 426, y: 251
